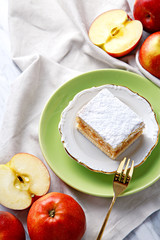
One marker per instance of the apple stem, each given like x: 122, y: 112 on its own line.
x: 52, y: 213
x: 148, y: 15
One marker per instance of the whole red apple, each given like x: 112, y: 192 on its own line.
x: 10, y: 227
x: 149, y: 54
x: 56, y: 216
x: 148, y: 12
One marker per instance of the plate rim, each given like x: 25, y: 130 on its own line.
x: 112, y: 172
x: 132, y: 191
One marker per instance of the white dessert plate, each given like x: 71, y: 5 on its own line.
x: 86, y: 153
x: 146, y: 73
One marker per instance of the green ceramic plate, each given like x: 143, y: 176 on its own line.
x: 74, y: 174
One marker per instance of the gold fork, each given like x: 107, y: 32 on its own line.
x: 120, y: 183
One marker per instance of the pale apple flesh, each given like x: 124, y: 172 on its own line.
x: 11, y: 195
x: 23, y: 177
x: 115, y: 32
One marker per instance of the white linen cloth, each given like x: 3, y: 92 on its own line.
x: 50, y: 45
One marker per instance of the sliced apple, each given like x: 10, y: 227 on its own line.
x: 22, y: 178
x: 115, y: 32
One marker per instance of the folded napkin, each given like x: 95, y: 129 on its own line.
x: 50, y: 45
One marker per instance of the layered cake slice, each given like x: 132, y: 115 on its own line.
x: 109, y: 123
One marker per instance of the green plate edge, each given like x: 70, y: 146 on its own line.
x: 67, y: 169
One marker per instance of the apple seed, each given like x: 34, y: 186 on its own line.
x: 22, y: 182
x: 20, y: 179
x: 115, y: 31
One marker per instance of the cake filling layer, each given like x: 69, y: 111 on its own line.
x: 101, y: 144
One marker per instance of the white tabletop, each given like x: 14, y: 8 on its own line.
x: 150, y: 228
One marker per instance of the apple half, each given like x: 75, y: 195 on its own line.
x: 22, y: 178
x: 115, y: 32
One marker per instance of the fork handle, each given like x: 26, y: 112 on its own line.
x: 106, y: 218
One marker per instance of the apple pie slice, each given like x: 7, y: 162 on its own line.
x: 109, y: 123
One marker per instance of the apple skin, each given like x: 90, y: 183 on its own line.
x: 56, y: 216
x: 149, y: 54
x: 124, y: 53
x: 148, y: 12
x: 10, y: 227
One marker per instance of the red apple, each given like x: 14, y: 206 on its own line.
x: 10, y: 227
x: 148, y: 12
x: 21, y: 179
x: 149, y: 54
x: 115, y: 32
x: 56, y: 216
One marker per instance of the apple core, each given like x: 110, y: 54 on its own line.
x: 22, y: 182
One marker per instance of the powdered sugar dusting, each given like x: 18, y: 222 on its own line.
x: 113, y: 120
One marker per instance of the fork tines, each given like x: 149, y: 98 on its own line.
x: 124, y: 176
